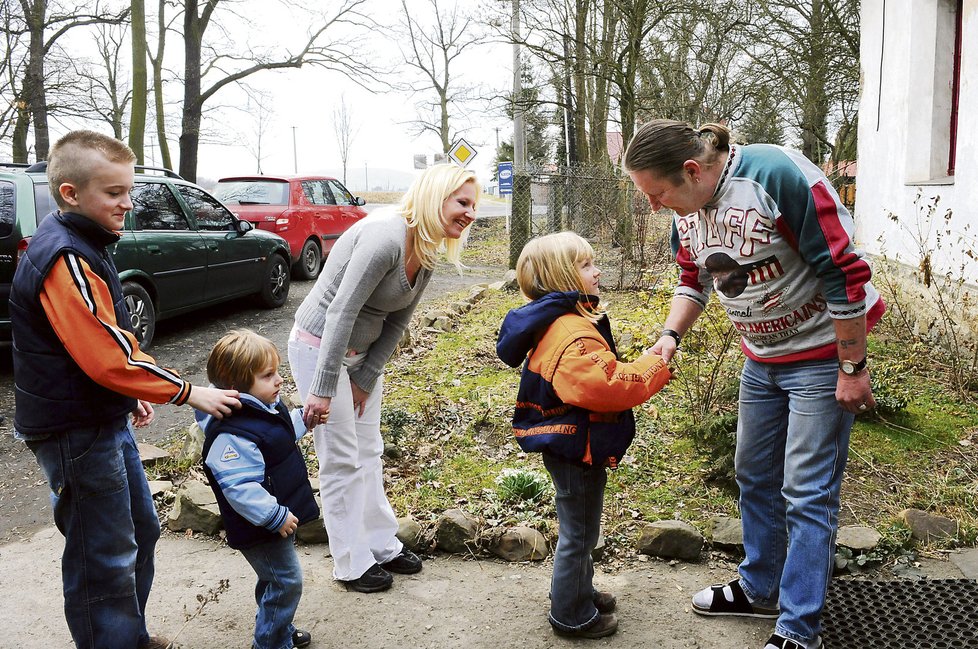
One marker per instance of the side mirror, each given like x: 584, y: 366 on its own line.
x: 359, y: 201
x: 245, y: 226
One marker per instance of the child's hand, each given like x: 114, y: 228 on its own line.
x: 213, y: 401
x: 290, y: 525
x: 143, y: 414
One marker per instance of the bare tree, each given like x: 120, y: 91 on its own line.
x: 107, y: 95
x: 323, y: 48
x: 259, y: 108
x: 137, y: 118
x: 156, y: 61
x: 14, y: 113
x: 430, y: 51
x: 345, y: 131
x: 46, y: 22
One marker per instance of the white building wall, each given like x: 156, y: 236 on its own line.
x: 904, y: 135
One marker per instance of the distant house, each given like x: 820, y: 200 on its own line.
x: 615, y: 146
x: 918, y: 159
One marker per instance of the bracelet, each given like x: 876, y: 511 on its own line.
x: 672, y: 334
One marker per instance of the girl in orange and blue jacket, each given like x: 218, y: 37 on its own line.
x: 573, y: 406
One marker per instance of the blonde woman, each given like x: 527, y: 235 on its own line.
x: 574, y: 406
x: 345, y: 332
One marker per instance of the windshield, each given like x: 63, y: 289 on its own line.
x: 253, y: 192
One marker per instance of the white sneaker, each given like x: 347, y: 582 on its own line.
x: 778, y: 641
x: 729, y: 599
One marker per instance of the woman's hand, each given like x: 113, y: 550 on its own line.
x: 359, y: 399
x: 316, y: 411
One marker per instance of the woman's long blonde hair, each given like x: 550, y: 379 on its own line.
x: 421, y: 208
x: 548, y: 264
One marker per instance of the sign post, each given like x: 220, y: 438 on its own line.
x: 504, y: 172
x: 462, y: 152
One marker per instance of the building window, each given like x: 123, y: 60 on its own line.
x: 934, y: 64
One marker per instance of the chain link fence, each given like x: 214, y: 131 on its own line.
x: 602, y: 205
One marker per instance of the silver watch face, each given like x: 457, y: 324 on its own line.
x: 848, y: 367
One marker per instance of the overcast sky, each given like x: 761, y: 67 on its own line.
x: 303, y: 102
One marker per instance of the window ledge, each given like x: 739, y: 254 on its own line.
x: 949, y: 180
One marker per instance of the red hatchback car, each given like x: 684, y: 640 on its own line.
x: 310, y: 212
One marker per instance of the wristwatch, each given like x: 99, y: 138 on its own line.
x: 851, y: 368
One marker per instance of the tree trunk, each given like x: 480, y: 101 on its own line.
x: 815, y: 106
x: 580, y: 79
x: 190, y: 126
x: 33, y: 90
x: 21, y: 130
x: 158, y: 88
x: 137, y: 117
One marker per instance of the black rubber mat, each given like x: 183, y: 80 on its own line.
x: 938, y: 614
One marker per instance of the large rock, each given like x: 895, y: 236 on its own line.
x: 312, y: 533
x: 456, y: 532
x: 157, y: 487
x: 858, y: 538
x: 195, y: 508
x: 727, y: 533
x: 150, y: 455
x: 670, y: 539
x: 193, y: 444
x: 519, y: 544
x: 928, y: 527
x: 409, y: 533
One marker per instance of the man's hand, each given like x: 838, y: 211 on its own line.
x: 854, y: 393
x: 214, y: 401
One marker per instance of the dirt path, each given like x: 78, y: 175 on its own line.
x: 453, y: 603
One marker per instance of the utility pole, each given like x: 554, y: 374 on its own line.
x: 295, y: 157
x: 519, y: 136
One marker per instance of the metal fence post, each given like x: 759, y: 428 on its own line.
x: 519, y: 225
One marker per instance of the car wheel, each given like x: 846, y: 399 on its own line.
x: 275, y: 286
x: 142, y: 313
x: 310, y: 261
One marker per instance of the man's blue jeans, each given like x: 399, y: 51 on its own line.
x: 103, y: 507
x: 792, y: 446
x: 277, y: 592
x: 579, y: 500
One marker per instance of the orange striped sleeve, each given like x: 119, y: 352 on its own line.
x: 79, y: 307
x: 589, y: 376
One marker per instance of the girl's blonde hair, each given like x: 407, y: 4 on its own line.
x: 238, y: 357
x: 421, y: 208
x: 548, y: 264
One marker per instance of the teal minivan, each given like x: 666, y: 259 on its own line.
x: 181, y: 249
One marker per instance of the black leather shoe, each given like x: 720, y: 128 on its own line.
x: 406, y: 563
x: 301, y: 638
x: 606, y: 625
x: 374, y: 580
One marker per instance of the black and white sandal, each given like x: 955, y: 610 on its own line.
x: 729, y: 599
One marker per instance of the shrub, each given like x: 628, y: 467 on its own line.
x: 516, y: 485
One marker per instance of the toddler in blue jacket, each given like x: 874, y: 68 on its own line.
x: 260, y: 480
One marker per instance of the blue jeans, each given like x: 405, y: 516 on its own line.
x: 277, y: 592
x: 792, y: 446
x: 103, y: 507
x: 580, y: 498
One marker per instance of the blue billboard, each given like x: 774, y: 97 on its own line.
x: 505, y: 175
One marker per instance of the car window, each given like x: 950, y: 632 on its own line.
x: 154, y: 207
x: 43, y: 201
x: 210, y: 214
x: 253, y: 192
x: 342, y: 196
x: 8, y: 208
x: 316, y: 192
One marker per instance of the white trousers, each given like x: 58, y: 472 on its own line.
x: 359, y: 519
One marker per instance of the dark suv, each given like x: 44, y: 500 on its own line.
x: 181, y: 249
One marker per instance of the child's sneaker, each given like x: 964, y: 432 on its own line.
x: 729, y: 599
x: 301, y: 638
x: 778, y: 641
